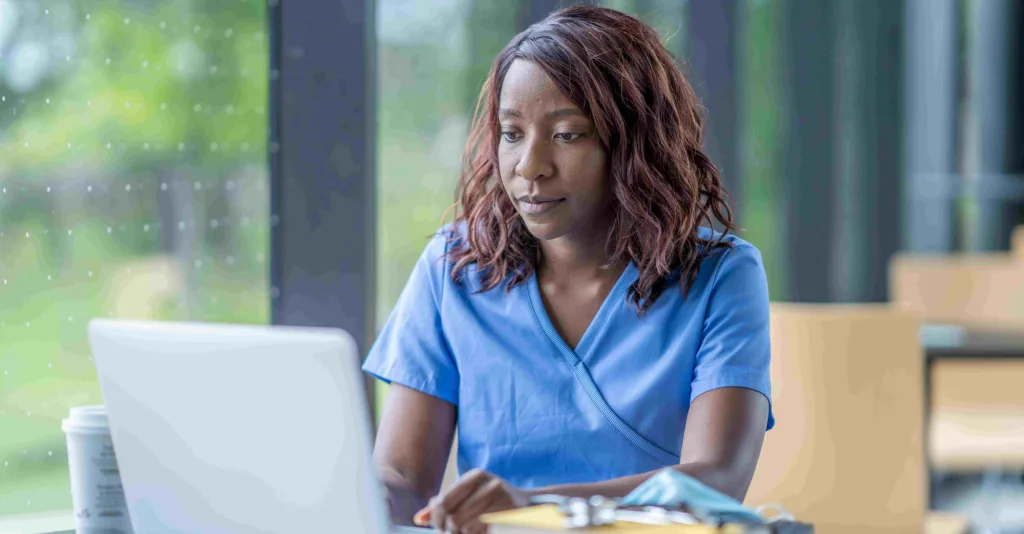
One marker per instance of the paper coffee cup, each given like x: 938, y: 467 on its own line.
x: 96, y: 490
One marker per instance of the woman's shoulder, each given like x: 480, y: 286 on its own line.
x: 734, y: 254
x: 730, y: 240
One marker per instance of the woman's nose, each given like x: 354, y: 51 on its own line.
x: 534, y: 160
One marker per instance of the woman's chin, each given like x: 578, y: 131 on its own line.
x: 545, y: 230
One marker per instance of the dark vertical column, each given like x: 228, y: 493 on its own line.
x: 713, y: 29
x: 930, y: 92
x: 995, y: 96
x: 869, y: 71
x: 322, y: 165
x: 808, y: 44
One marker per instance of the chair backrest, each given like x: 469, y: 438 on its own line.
x: 1017, y: 244
x: 847, y: 451
x: 961, y: 289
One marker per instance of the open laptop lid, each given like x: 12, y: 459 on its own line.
x: 239, y: 429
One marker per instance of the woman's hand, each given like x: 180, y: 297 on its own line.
x: 458, y: 510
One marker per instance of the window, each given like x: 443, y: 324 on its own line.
x: 133, y: 184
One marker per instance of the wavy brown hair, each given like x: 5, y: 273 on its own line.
x: 614, y: 68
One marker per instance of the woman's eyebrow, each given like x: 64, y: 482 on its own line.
x: 555, y: 114
x: 565, y: 112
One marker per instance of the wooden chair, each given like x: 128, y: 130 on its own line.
x: 970, y: 290
x: 847, y: 453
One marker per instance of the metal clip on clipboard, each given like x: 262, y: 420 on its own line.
x: 600, y: 511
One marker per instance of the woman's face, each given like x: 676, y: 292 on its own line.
x: 553, y: 166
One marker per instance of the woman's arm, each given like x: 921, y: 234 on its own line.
x: 724, y: 433
x: 413, y: 444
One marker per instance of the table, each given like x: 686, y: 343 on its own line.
x: 970, y: 343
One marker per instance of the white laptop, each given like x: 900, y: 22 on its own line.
x: 239, y: 429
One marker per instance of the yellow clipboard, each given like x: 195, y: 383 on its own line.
x: 547, y: 518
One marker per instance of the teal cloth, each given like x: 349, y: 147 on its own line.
x: 671, y: 488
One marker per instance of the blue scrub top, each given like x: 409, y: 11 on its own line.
x: 536, y: 412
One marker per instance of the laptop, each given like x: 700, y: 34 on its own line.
x: 239, y: 429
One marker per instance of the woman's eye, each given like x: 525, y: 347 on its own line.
x: 568, y: 136
x: 510, y: 136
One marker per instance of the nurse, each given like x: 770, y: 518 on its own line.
x: 578, y: 324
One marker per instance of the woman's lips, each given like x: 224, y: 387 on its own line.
x: 539, y: 207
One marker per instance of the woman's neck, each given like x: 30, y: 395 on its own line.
x: 575, y: 258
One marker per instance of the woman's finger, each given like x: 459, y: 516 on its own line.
x: 476, y: 504
x: 475, y: 527
x: 449, y: 501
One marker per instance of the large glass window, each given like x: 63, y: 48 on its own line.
x: 133, y: 184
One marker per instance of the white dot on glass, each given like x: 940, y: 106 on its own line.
x: 108, y: 146
x: 128, y: 270
x: 145, y: 64
x: 198, y: 186
x: 198, y: 263
x: 128, y: 187
x: 90, y: 274
x: 108, y: 61
x: 49, y: 453
x: 145, y: 146
x: 87, y: 16
x: 163, y: 25
x: 88, y: 103
x: 47, y: 189
x: 67, y: 58
x: 109, y: 230
x: 145, y: 228
x: 89, y: 188
x: 26, y: 145
x: 49, y: 277
x: 47, y: 12
x: 163, y: 186
x: 163, y: 105
x: 69, y: 145
x: 181, y: 146
x: 50, y: 366
x: 28, y: 323
x: 126, y: 21
x: 181, y: 226
x: 47, y: 100
x: 26, y: 234
x: 69, y: 232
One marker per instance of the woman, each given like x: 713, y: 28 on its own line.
x: 579, y: 323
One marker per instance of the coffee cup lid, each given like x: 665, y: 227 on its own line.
x: 86, y: 419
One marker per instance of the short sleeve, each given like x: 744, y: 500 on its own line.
x: 735, y: 350
x: 412, y: 349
